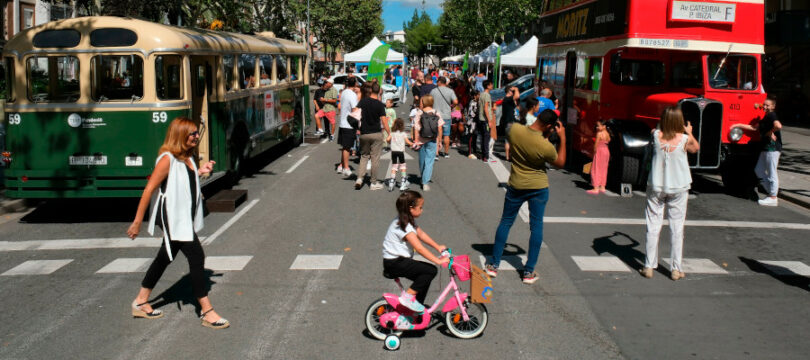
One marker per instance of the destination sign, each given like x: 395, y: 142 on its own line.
x: 702, y: 11
x: 590, y: 20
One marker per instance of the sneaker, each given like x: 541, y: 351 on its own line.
x: 376, y: 186
x: 339, y: 169
x: 425, y: 187
x: 391, y: 184
x: 471, y: 156
x: 404, y: 185
x: 769, y: 201
x: 446, y: 155
x: 529, y: 277
x: 358, y: 184
x: 404, y: 323
x: 331, y: 138
x: 491, y: 270
x: 318, y: 132
x: 347, y: 172
x: 410, y: 302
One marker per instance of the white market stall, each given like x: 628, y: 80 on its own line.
x: 524, y: 56
x: 362, y: 56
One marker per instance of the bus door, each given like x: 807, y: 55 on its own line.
x: 201, y: 90
x: 567, y: 112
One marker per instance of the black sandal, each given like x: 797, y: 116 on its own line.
x: 219, y: 324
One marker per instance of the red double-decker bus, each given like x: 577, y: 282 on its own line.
x: 624, y: 61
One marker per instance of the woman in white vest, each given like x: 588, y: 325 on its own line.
x: 178, y: 210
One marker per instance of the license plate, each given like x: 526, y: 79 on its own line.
x: 134, y: 161
x: 88, y: 160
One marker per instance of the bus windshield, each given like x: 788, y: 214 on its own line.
x: 117, y: 77
x: 737, y: 72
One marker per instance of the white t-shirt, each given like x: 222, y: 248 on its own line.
x: 398, y: 140
x: 348, y: 100
x: 394, y: 244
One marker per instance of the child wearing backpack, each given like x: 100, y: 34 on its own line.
x: 427, y: 128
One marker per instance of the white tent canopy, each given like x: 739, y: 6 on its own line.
x: 487, y: 53
x: 364, y: 53
x: 454, y: 58
x: 524, y: 56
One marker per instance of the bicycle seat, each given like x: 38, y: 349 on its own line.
x: 388, y: 276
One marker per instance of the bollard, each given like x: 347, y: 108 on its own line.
x: 627, y: 190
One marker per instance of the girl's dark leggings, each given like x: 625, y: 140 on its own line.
x: 420, y: 273
x: 196, y: 264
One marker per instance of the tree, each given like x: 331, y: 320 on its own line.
x: 474, y: 24
x: 419, y: 32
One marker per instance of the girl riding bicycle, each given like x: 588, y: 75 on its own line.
x: 402, y: 238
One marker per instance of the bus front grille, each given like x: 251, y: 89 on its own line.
x: 706, y: 117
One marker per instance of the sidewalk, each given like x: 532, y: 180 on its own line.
x: 794, y: 166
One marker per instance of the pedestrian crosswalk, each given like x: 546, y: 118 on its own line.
x: 316, y: 262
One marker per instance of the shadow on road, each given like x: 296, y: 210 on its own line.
x: 64, y: 211
x: 786, y: 276
x: 627, y: 253
x: 181, y: 294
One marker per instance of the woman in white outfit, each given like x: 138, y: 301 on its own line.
x: 668, y: 188
x: 178, y: 210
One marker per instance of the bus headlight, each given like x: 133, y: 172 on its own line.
x: 735, y: 134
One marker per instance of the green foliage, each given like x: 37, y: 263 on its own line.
x: 474, y: 24
x: 419, y: 32
x: 396, y: 45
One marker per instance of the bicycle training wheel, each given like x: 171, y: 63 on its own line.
x: 377, y: 309
x: 467, y: 329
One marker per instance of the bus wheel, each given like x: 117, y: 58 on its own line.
x: 238, y: 156
x: 630, y: 170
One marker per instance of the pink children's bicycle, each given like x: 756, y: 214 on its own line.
x: 387, y: 319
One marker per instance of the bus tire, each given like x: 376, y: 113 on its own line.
x: 737, y: 174
x: 239, y: 148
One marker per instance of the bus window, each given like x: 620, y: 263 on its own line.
x: 111, y: 37
x: 636, y: 72
x: 116, y: 77
x: 7, y: 79
x: 294, y: 63
x: 737, y: 72
x: 281, y: 67
x: 582, y: 73
x: 53, y: 79
x: 227, y: 68
x: 596, y: 74
x: 687, y: 74
x: 169, y: 77
x: 247, y: 69
x: 66, y: 38
x: 266, y: 67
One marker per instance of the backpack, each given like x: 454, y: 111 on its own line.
x: 429, y: 123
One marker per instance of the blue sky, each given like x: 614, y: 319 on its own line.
x: 397, y: 11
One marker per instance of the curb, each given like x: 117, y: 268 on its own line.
x: 794, y: 199
x: 8, y: 206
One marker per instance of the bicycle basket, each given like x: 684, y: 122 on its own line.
x: 461, y: 265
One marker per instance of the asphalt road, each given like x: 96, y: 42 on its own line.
x: 731, y: 306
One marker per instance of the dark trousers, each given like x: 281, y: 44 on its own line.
x: 420, y: 273
x: 196, y: 264
x: 482, y: 131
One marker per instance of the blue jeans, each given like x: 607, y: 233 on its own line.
x: 537, y: 199
x: 427, y: 156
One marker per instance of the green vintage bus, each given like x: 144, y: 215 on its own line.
x: 88, y: 101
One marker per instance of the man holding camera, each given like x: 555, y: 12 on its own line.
x: 530, y: 152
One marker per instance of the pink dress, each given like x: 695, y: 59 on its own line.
x: 599, y: 167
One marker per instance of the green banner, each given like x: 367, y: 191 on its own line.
x: 497, y: 69
x: 466, y: 62
x: 376, y: 66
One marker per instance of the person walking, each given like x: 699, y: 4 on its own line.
x: 486, y: 120
x: 668, y: 188
x: 373, y: 121
x: 428, y: 126
x: 509, y: 113
x: 531, y: 152
x: 346, y: 135
x: 770, y: 135
x: 179, y: 210
x: 444, y: 98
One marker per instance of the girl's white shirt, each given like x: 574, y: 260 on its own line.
x: 178, y: 204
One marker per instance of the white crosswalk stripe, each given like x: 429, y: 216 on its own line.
x: 125, y: 265
x: 786, y: 267
x: 605, y: 263
x: 226, y: 263
x: 316, y: 262
x: 699, y: 266
x: 37, y: 267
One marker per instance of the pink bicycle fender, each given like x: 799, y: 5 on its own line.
x: 451, y: 304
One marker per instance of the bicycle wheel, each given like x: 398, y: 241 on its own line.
x: 377, y: 309
x: 467, y: 329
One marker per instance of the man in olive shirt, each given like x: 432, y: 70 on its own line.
x: 530, y: 151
